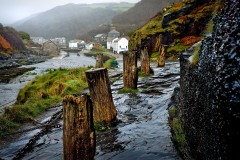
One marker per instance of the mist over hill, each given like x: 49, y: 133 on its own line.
x: 70, y: 20
x: 141, y: 12
x: 132, y: 18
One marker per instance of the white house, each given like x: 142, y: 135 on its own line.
x: 76, y: 44
x: 39, y: 40
x: 111, y: 36
x: 120, y: 45
x: 89, y: 46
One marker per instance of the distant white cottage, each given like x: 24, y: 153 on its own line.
x: 111, y: 36
x: 120, y: 45
x: 76, y: 44
x: 39, y: 40
x: 89, y: 46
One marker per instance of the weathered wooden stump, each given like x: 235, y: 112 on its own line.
x: 130, y: 71
x: 101, y: 95
x: 145, y: 61
x: 99, y: 60
x: 78, y: 129
x: 161, y: 57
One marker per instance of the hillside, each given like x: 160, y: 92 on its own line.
x: 141, y: 12
x: 70, y: 20
x: 180, y: 25
x: 132, y: 18
x: 10, y: 40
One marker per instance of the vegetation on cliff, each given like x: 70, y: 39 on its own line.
x: 139, y: 14
x: 181, y: 25
x: 10, y: 40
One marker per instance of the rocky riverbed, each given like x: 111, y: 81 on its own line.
x: 142, y: 131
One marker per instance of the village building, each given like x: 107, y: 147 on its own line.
x: 60, y: 41
x: 38, y: 40
x: 120, y: 45
x: 50, y: 48
x: 76, y: 44
x: 111, y: 36
x: 89, y: 46
x: 100, y: 38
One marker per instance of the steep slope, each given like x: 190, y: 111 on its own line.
x: 133, y: 18
x: 10, y: 39
x: 179, y: 26
x: 141, y: 12
x: 69, y: 20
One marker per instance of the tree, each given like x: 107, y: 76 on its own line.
x: 24, y: 35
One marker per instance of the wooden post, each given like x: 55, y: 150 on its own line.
x: 79, y: 140
x: 99, y: 60
x: 130, y: 71
x: 161, y: 57
x: 145, y: 61
x: 101, y: 95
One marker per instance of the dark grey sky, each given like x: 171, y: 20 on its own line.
x: 14, y: 10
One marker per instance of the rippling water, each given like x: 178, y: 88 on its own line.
x: 143, y: 132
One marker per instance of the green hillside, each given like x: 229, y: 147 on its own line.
x: 181, y: 25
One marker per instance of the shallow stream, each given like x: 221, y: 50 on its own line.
x: 142, y: 133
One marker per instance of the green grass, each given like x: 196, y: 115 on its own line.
x: 38, y: 95
x: 195, y: 56
x: 179, y: 47
x: 209, y: 27
x: 178, y: 134
x: 101, y: 126
x: 55, y: 83
x: 111, y: 63
x: 141, y: 74
x: 127, y: 90
x: 154, y: 56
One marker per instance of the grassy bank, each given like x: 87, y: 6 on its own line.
x: 178, y: 134
x: 108, y: 60
x: 42, y: 92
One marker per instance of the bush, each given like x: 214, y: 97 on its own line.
x: 190, y: 40
x: 127, y: 90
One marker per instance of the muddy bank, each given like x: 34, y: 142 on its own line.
x: 6, y: 74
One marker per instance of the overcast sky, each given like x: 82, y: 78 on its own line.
x: 14, y: 10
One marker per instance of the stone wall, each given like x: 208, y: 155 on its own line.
x: 210, y: 91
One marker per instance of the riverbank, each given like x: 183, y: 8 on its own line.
x: 9, y: 91
x: 8, y: 73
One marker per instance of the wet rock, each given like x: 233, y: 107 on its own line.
x: 209, y: 92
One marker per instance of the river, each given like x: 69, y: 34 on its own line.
x: 142, y: 133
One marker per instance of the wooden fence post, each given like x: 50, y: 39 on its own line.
x: 161, y: 57
x: 145, y: 61
x: 101, y: 95
x: 79, y: 142
x: 130, y: 71
x: 99, y: 60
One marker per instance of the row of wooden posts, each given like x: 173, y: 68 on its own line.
x: 80, y: 113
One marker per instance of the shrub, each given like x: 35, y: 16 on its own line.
x: 127, y: 90
x: 190, y: 40
x: 195, y: 56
